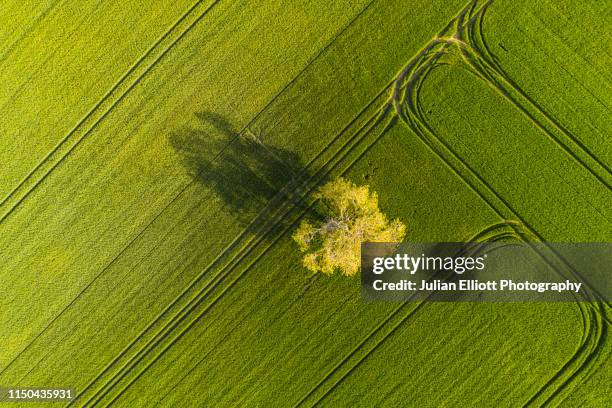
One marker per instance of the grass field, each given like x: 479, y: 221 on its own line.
x: 155, y: 157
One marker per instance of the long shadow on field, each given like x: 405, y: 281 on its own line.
x: 250, y: 177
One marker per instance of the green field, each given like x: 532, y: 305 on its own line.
x: 155, y: 157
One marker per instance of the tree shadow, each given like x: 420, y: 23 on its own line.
x: 251, y: 178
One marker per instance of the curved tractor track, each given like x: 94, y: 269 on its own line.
x: 465, y: 35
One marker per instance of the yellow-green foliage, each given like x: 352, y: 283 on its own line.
x: 353, y: 217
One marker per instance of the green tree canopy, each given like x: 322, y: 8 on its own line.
x: 352, y: 217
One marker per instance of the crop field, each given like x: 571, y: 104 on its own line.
x: 155, y: 157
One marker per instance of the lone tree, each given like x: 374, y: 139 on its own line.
x: 352, y: 217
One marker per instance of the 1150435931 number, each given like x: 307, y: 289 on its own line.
x: 8, y: 394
